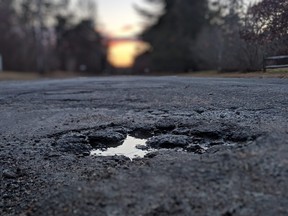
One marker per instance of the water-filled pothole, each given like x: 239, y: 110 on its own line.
x: 140, y: 142
x: 131, y: 148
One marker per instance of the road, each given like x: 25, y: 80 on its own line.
x: 217, y: 146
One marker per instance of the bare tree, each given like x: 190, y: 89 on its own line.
x: 34, y: 33
x: 266, y: 25
x: 267, y: 21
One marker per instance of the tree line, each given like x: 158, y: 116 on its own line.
x: 45, y: 35
x: 183, y: 35
x: 227, y: 35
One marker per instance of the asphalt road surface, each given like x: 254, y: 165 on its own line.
x: 214, y: 146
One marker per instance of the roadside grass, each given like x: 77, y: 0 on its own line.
x: 14, y: 75
x: 276, y: 73
x: 11, y: 75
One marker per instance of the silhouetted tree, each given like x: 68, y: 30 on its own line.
x: 267, y: 24
x: 12, y: 36
x: 80, y: 47
x: 171, y: 35
x: 213, y: 34
x: 267, y: 21
x: 34, y: 33
x: 220, y: 46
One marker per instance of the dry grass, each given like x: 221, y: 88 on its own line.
x: 12, y: 75
x: 18, y: 76
x: 280, y: 73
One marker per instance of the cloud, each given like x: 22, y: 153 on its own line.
x: 127, y: 28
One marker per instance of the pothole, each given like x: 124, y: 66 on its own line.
x: 137, y: 143
x: 131, y: 147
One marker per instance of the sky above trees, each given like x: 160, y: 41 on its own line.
x: 187, y: 27
x: 118, y: 18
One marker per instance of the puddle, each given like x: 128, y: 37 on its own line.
x: 128, y: 149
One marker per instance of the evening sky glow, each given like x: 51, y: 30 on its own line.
x: 118, y: 19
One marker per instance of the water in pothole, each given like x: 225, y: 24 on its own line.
x: 131, y: 148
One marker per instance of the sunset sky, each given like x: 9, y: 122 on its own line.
x: 123, y: 52
x: 118, y: 19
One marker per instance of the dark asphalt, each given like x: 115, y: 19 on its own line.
x: 222, y: 146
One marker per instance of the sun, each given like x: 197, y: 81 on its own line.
x: 122, y: 53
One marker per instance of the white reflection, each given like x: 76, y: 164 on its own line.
x: 128, y: 149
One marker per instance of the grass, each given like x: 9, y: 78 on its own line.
x: 11, y: 75
x: 14, y: 75
x: 278, y: 73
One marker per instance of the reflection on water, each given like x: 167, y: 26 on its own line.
x: 128, y: 149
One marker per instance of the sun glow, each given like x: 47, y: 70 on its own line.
x: 122, y: 53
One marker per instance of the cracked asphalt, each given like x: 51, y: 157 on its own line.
x: 220, y: 146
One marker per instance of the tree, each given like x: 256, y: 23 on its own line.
x: 219, y: 45
x: 267, y: 21
x: 171, y: 35
x: 26, y: 28
x: 266, y: 25
x: 34, y: 34
x: 37, y: 16
x: 11, y: 35
x: 80, y: 47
